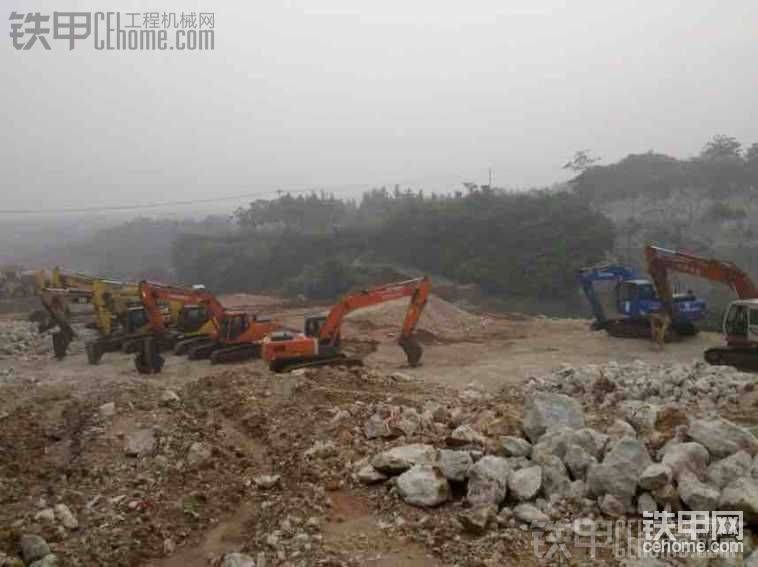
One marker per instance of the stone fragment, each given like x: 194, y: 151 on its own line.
x: 525, y: 484
x: 423, y: 486
x: 400, y: 459
x: 454, y: 464
x: 488, y: 481
x: 546, y: 410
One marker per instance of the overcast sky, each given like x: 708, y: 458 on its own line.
x: 355, y: 93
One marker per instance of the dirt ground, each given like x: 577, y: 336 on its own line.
x: 165, y: 509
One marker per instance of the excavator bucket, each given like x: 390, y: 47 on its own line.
x: 61, y: 340
x: 94, y: 352
x: 148, y: 360
x: 413, y: 350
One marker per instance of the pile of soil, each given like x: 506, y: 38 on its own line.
x: 440, y: 318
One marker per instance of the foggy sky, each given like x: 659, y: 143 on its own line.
x: 356, y: 93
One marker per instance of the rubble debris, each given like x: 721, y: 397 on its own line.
x: 545, y: 411
x: 141, y: 443
x: 423, y: 485
x: 33, y: 548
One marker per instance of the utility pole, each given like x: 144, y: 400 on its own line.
x: 490, y: 178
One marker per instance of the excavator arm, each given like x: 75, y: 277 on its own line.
x: 320, y: 344
x: 152, y: 292
x: 417, y: 289
x: 661, y: 261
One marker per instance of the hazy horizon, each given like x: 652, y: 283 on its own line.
x: 360, y: 94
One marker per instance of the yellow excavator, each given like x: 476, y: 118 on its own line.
x: 120, y: 318
x: 127, y: 313
x: 55, y: 302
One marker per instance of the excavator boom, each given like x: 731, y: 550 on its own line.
x: 284, y: 351
x: 661, y: 261
x: 148, y: 359
x: 741, y: 350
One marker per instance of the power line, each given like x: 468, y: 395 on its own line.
x: 151, y: 205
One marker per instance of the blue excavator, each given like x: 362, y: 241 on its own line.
x: 636, y: 304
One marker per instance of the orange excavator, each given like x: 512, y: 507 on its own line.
x: 195, y: 313
x: 225, y: 336
x: 740, y: 324
x: 319, y: 344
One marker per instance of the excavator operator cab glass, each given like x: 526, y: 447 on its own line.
x: 646, y: 292
x: 313, y: 325
x: 136, y: 318
x: 233, y: 326
x: 626, y: 295
x: 736, y: 322
x: 192, y: 317
x: 753, y: 323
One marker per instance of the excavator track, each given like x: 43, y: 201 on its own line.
x: 745, y: 359
x: 237, y: 353
x: 288, y: 365
x: 202, y: 351
x: 637, y: 329
x: 183, y: 346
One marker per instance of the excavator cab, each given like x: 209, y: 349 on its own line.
x: 635, y: 297
x: 192, y: 318
x: 741, y: 322
x: 233, y: 325
x: 313, y: 324
x: 135, y: 319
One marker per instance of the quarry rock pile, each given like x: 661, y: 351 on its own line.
x: 19, y: 338
x: 662, y: 458
x: 697, y: 384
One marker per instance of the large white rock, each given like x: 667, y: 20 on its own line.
x: 455, y: 464
x: 488, y: 481
x: 722, y: 437
x: 399, y: 459
x: 639, y: 414
x: 66, y: 517
x: 655, y: 476
x: 525, y: 484
x: 544, y: 411
x: 515, y: 446
x: 237, y: 560
x: 369, y: 475
x: 555, y: 479
x: 424, y: 486
x: 741, y: 494
x: 33, y: 547
x: 680, y: 457
x: 578, y: 461
x: 530, y: 514
x: 620, y: 470
x: 466, y: 435
x: 729, y: 469
x: 646, y: 503
x: 697, y: 495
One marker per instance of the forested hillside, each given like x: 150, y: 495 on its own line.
x: 707, y: 204
x: 513, y: 245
